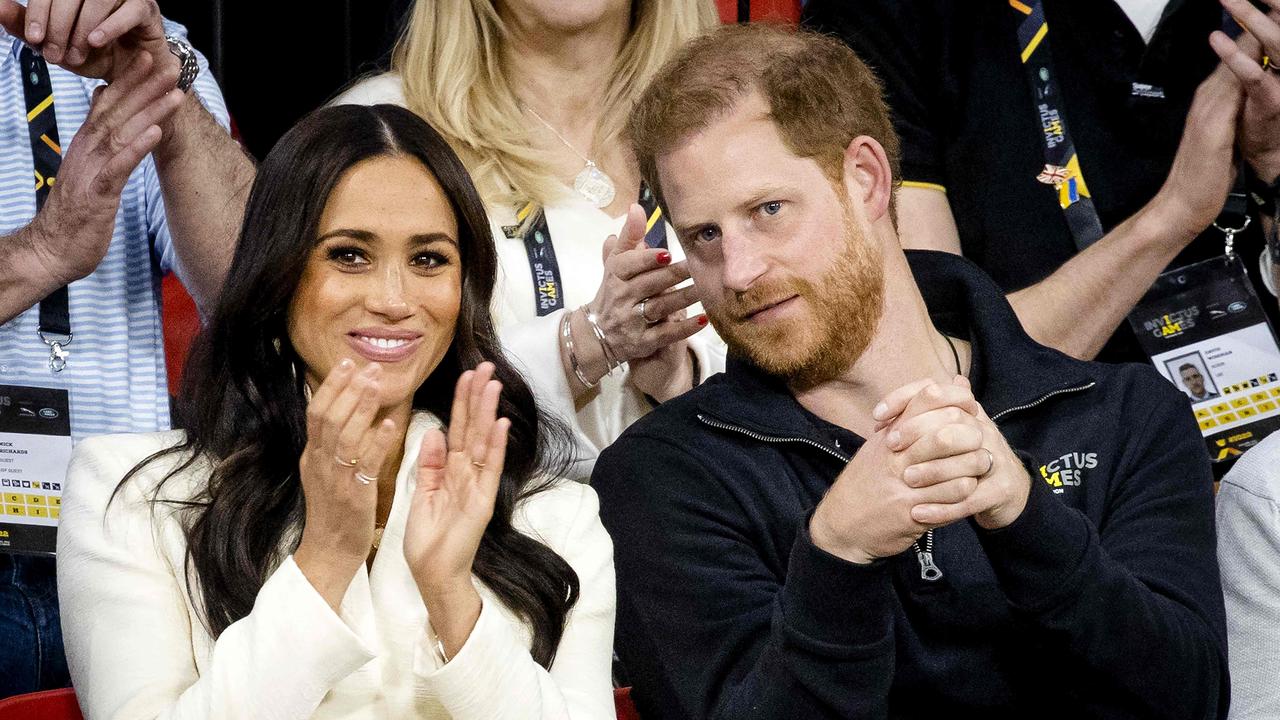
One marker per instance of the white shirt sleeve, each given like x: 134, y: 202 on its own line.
x: 128, y: 631
x: 493, y: 676
x: 1248, y: 519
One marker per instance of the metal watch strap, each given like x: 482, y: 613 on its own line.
x: 186, y: 55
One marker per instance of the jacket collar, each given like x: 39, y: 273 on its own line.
x: 1014, y: 370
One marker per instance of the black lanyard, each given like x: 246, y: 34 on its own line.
x: 548, y: 288
x: 46, y: 156
x: 1062, y: 165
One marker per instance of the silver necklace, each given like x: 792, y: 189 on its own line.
x: 592, y: 183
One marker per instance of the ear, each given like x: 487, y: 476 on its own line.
x: 867, y: 176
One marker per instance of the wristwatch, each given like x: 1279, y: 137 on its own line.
x: 187, y: 57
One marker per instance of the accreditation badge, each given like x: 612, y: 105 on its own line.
x: 1204, y: 329
x: 35, y: 451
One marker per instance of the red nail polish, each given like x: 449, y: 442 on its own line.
x: 702, y: 320
x: 664, y: 258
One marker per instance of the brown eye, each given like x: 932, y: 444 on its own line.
x: 429, y: 260
x: 348, y: 256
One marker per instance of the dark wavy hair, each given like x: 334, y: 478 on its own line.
x: 242, y: 405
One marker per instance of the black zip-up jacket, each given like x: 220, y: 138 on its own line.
x: 1102, y: 600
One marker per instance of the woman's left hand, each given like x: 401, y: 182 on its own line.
x: 453, y: 502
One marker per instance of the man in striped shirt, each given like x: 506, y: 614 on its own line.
x: 150, y: 182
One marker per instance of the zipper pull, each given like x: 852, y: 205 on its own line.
x: 928, y: 570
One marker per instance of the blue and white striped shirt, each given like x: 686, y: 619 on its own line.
x: 115, y: 366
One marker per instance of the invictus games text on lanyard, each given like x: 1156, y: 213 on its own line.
x: 548, y: 285
x: 1202, y: 325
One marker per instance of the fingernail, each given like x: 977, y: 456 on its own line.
x: 75, y: 57
x: 664, y: 258
x: 880, y: 411
x: 894, y: 438
x: 702, y: 320
x: 909, y: 475
x: 52, y: 53
x: 33, y: 31
x: 95, y: 37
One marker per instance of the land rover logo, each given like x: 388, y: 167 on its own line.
x: 1237, y: 306
x: 48, y: 413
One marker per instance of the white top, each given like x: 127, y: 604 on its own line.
x: 578, y: 231
x: 1249, y: 559
x: 137, y: 649
x: 1144, y: 14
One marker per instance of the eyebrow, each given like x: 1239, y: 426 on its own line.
x: 366, y: 236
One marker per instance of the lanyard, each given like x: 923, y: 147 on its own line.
x: 548, y: 288
x: 46, y: 156
x: 1061, y: 164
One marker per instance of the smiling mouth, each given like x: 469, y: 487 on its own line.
x: 386, y: 347
x: 381, y: 342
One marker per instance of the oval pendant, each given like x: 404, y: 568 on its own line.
x: 594, y: 185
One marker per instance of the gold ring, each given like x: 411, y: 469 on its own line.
x: 346, y: 463
x: 1269, y: 66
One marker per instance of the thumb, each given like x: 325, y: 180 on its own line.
x: 633, y: 229
x: 431, y: 461
x: 12, y: 17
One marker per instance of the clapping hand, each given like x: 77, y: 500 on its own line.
x: 1259, y: 135
x: 642, y: 313
x: 457, y: 486
x: 92, y: 38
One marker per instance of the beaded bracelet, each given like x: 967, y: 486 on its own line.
x: 566, y: 335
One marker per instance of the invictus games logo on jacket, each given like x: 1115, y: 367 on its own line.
x: 1068, y: 470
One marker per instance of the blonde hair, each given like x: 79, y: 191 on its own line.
x: 449, y: 61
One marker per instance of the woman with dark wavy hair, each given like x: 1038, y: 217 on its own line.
x: 354, y: 523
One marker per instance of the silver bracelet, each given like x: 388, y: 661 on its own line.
x: 610, y: 359
x: 566, y: 335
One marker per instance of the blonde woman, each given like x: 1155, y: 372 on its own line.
x: 592, y: 299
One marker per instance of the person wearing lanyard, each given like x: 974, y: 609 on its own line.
x: 975, y: 176
x: 534, y: 95
x: 149, y: 179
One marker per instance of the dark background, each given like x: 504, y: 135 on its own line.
x: 276, y: 60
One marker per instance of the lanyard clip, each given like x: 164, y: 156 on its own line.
x: 1229, y: 234
x: 57, y: 350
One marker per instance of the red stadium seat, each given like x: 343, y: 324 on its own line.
x: 622, y: 702
x: 46, y: 705
x: 787, y: 11
x: 181, y: 323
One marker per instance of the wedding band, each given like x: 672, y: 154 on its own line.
x: 365, y: 479
x: 1267, y: 64
x: 478, y: 464
x: 640, y: 308
x: 991, y: 462
x: 346, y: 463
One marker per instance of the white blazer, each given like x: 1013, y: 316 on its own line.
x: 137, y: 647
